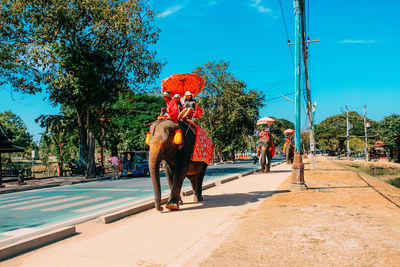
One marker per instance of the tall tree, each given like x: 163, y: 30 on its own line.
x: 230, y: 108
x: 83, y: 53
x: 389, y: 133
x: 61, y: 129
x: 135, y: 110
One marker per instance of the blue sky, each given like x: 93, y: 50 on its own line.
x: 356, y: 63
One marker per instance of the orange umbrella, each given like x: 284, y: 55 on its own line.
x: 265, y: 120
x: 180, y: 83
x: 288, y: 132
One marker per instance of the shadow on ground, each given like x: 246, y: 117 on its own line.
x: 236, y: 199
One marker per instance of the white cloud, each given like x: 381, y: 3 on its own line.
x: 348, y: 41
x: 170, y: 11
x: 260, y: 8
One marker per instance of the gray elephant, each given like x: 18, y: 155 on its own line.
x: 177, y: 161
x: 289, y: 152
x: 265, y: 151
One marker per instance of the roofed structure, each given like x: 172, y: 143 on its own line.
x: 6, y: 145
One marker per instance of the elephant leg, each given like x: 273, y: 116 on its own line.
x: 175, y: 196
x: 197, y: 184
x: 170, y: 174
x: 269, y: 162
x: 263, y: 159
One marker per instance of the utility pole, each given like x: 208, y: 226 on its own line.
x: 309, y: 105
x: 347, y: 133
x: 365, y: 132
x: 298, y: 166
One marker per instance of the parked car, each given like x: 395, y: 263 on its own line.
x: 135, y: 163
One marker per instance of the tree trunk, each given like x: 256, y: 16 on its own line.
x: 90, y: 165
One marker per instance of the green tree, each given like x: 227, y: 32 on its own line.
x: 389, y: 133
x: 331, y: 132
x: 83, y: 53
x: 16, y: 130
x: 356, y: 144
x: 230, y: 108
x: 124, y: 124
x: 61, y: 134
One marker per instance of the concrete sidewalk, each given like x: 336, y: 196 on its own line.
x: 182, y: 238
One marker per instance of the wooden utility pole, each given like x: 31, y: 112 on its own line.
x: 309, y: 105
x: 366, y: 136
x: 347, y: 133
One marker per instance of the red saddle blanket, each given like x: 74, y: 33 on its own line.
x: 203, y: 148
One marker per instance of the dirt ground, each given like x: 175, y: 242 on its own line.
x: 341, y: 220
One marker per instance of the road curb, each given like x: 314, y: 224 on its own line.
x: 36, y: 242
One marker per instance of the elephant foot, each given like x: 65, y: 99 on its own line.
x: 197, y: 198
x: 172, y: 206
x: 160, y: 208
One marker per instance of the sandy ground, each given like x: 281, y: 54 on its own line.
x: 182, y: 238
x: 341, y: 221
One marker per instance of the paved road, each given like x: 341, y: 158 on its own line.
x: 22, y: 213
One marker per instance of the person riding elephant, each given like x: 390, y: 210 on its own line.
x: 288, y: 149
x: 177, y: 158
x: 265, y: 149
x: 177, y: 99
x: 172, y: 111
x: 190, y: 107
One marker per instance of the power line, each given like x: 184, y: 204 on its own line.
x: 287, y: 34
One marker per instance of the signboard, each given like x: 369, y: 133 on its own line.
x: 35, y: 154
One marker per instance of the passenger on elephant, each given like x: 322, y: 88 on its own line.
x: 172, y: 108
x: 265, y: 133
x: 190, y: 107
x: 177, y: 98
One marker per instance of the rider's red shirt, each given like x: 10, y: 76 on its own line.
x: 264, y: 134
x: 172, y: 110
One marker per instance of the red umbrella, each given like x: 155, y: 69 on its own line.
x: 288, y: 132
x: 180, y: 83
x: 265, y: 120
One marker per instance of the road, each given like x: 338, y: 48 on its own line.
x: 25, y: 212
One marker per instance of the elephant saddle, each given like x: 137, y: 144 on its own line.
x: 203, y: 149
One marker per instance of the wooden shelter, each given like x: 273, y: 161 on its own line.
x: 6, y: 146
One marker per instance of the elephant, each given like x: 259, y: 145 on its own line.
x: 177, y: 162
x: 265, y: 146
x: 289, y: 152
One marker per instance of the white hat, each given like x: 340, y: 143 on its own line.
x: 177, y: 95
x: 188, y: 93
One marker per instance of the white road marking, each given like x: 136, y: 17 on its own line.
x: 17, y: 199
x: 49, y: 203
x: 75, y: 204
x: 28, y: 202
x: 104, y: 204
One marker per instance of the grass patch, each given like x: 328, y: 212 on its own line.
x: 395, y: 182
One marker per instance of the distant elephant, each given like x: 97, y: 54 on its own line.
x: 289, y: 152
x: 265, y: 147
x: 177, y: 159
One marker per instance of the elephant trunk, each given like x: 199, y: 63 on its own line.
x: 154, y: 166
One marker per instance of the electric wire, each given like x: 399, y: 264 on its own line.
x: 287, y: 34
